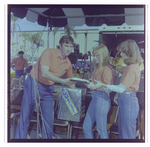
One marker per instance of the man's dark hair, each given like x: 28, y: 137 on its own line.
x: 66, y: 39
x: 20, y: 52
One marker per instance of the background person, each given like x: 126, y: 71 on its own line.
x: 129, y: 85
x: 52, y: 64
x: 100, y: 103
x: 18, y: 64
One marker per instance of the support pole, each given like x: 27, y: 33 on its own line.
x: 49, y: 30
x: 54, y: 42
x: 48, y: 39
x: 85, y: 49
x: 37, y: 97
x: 100, y: 37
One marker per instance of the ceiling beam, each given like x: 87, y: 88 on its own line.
x: 102, y: 15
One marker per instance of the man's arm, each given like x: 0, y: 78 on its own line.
x: 47, y: 74
x: 25, y: 68
x: 26, y: 65
x: 12, y: 66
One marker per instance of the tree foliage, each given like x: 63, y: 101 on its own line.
x: 67, y: 29
x: 28, y: 47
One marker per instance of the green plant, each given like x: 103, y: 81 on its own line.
x: 28, y: 46
x: 15, y: 28
x: 67, y: 29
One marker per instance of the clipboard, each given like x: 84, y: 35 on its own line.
x: 84, y: 81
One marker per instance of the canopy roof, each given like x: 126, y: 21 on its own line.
x: 78, y: 15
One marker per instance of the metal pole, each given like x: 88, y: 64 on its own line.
x: 48, y: 39
x: 49, y: 30
x: 85, y: 49
x: 100, y: 38
x: 37, y: 97
x: 54, y: 42
x: 35, y: 89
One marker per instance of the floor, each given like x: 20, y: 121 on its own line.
x: 59, y: 134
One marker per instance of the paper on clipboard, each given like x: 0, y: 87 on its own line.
x: 80, y: 80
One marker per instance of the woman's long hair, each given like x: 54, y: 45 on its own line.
x: 131, y: 49
x: 103, y: 52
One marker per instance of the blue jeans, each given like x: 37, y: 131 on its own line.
x: 18, y: 73
x: 128, y: 112
x: 97, y: 111
x: 28, y: 105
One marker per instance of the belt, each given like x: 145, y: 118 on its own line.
x: 129, y: 92
x: 40, y: 82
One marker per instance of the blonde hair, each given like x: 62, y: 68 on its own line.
x: 131, y: 49
x: 103, y: 52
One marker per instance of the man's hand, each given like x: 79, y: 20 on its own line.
x: 13, y: 66
x: 25, y: 69
x: 68, y: 83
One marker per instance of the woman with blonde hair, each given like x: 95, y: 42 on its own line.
x: 129, y: 84
x: 100, y: 103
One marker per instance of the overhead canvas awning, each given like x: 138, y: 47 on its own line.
x: 78, y: 15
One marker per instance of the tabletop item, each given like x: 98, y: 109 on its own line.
x: 71, y: 104
x: 84, y: 81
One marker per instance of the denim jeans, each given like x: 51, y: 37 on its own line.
x: 128, y: 112
x: 18, y: 73
x: 28, y: 105
x: 97, y: 111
